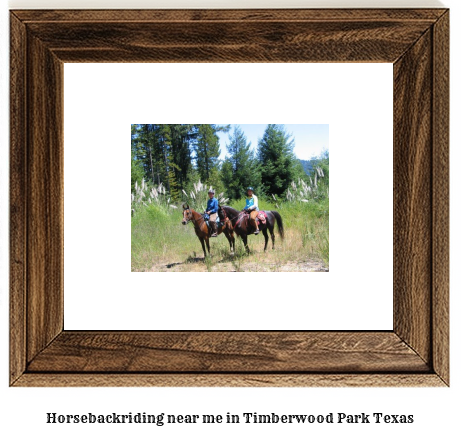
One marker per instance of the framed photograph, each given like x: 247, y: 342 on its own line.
x: 238, y: 180
x: 46, y: 352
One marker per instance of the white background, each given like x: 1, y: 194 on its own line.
x: 355, y: 294
x: 436, y: 411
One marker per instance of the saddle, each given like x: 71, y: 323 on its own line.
x: 206, y: 217
x: 261, y: 217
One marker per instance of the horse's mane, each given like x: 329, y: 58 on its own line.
x: 230, y: 211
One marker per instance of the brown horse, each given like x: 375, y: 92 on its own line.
x: 241, y: 224
x: 203, y: 232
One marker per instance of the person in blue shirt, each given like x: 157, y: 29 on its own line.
x: 212, y: 210
x: 251, y: 206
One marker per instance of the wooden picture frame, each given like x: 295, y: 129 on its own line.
x: 414, y: 353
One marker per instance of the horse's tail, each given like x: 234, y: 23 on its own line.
x: 279, y: 223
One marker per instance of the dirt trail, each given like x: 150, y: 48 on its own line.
x: 235, y: 265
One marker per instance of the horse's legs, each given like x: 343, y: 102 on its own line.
x: 229, y: 239
x: 232, y: 239
x: 273, y: 238
x: 266, y: 238
x: 203, y: 246
x: 245, y: 242
x: 208, y: 245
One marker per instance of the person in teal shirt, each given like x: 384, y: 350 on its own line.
x: 212, y: 210
x: 251, y: 206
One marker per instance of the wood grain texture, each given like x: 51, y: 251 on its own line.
x: 205, y: 15
x: 440, y: 203
x: 300, y: 41
x: 44, y: 197
x: 413, y: 196
x: 230, y: 380
x: 18, y: 193
x: 227, y: 352
x: 415, y: 354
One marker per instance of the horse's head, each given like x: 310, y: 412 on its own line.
x: 221, y: 213
x: 186, y: 214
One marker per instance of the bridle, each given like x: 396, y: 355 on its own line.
x: 226, y: 218
x: 224, y: 214
x: 190, y: 217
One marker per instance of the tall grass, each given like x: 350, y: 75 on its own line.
x: 197, y: 198
x: 146, y: 194
x: 306, y: 225
x: 159, y: 239
x: 315, y: 189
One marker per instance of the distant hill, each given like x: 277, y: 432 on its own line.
x: 308, y: 165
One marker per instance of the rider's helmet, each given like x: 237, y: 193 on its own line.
x: 250, y: 189
x: 211, y: 191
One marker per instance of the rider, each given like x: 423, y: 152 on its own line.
x: 212, y: 210
x: 251, y: 206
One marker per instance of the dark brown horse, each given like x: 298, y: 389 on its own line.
x: 241, y: 224
x: 203, y: 232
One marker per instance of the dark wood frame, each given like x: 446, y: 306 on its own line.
x: 414, y: 353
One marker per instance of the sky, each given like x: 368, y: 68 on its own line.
x: 310, y: 139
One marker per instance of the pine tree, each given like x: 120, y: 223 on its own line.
x: 145, y: 150
x: 277, y: 160
x: 240, y: 168
x: 170, y: 168
x: 166, y: 154
x: 155, y: 155
x: 182, y: 136
x: 207, y: 149
x: 137, y: 171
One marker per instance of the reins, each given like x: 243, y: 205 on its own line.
x: 193, y: 219
x: 201, y: 218
x: 241, y: 215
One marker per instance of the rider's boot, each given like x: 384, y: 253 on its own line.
x: 256, y: 226
x: 214, y: 229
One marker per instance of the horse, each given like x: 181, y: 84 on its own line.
x: 241, y: 224
x: 203, y: 232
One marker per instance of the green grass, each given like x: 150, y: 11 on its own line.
x: 160, y: 241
